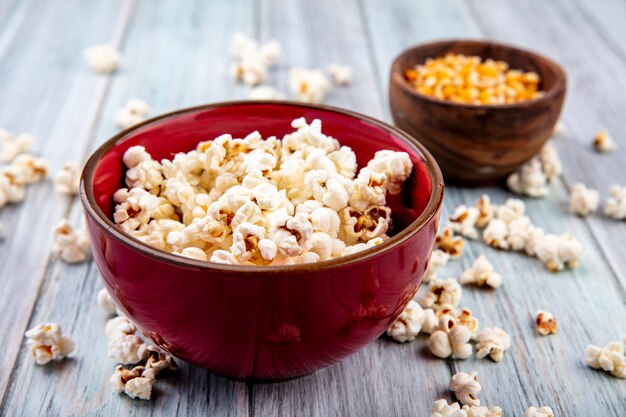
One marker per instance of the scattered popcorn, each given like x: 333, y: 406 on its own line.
x: 47, y: 342
x: 441, y: 408
x: 102, y: 58
x: 463, y: 221
x: 450, y: 338
x: 492, y: 341
x: 512, y: 209
x: 481, y: 273
x: 133, y: 112
x: 559, y: 129
x: 310, y: 86
x: 532, y: 178
x: 125, y: 346
x: 442, y: 292
x: 438, y: 258
x: 450, y: 244
x: 557, y: 252
x: 159, y: 361
x: 265, y: 92
x: 11, y: 146
x: 470, y: 79
x: 616, y: 204
x: 409, y: 324
x: 106, y: 303
x: 70, y: 245
x: 538, y: 412
x: 609, y: 358
x: 12, y: 188
x: 546, y: 323
x: 341, y: 74
x: 496, y: 233
x: 486, y: 211
x: 252, y: 59
x: 582, y: 200
x: 481, y: 411
x: 603, y: 142
x: 67, y: 179
x: 465, y: 387
x: 29, y: 168
x: 136, y: 382
x: 250, y: 201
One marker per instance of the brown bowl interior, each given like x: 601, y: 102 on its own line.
x: 478, y: 144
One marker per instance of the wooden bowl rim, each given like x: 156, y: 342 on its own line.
x: 557, y: 89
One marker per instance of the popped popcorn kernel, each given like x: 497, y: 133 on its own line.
x: 465, y: 387
x: 409, y: 324
x: 450, y: 244
x: 532, y: 178
x: 47, y: 342
x: 441, y: 292
x: 441, y: 408
x: 124, y: 345
x: 603, y: 142
x: 438, y: 258
x: 70, y: 245
x: 492, y: 341
x: 472, y: 80
x: 615, y: 207
x: 496, y: 233
x: 539, y: 412
x: 582, y: 200
x: 252, y: 60
x: 486, y: 211
x: 310, y: 86
x: 463, y: 221
x: 29, y: 168
x: 133, y: 112
x: 106, y: 303
x: 12, y: 189
x: 481, y: 411
x: 67, y: 179
x: 481, y: 273
x: 136, y: 382
x: 558, y: 252
x: 546, y: 323
x: 450, y: 338
x: 104, y: 58
x: 12, y: 146
x: 609, y: 358
x: 341, y: 74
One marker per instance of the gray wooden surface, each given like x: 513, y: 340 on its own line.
x: 176, y: 55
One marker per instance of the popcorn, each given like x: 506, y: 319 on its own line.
x: 67, y: 179
x: 133, y: 112
x: 492, y: 341
x: 11, y: 186
x: 441, y: 408
x: 310, y: 86
x: 582, y: 200
x: 512, y: 209
x: 409, y: 324
x: 70, y: 245
x: 124, y: 346
x: 545, y: 322
x: 557, y: 252
x: 341, y: 74
x: 449, y: 338
x: 193, y: 253
x: 616, y: 204
x: 519, y: 232
x: 496, y: 233
x: 465, y: 387
x: 265, y: 92
x: 11, y: 146
x: 603, y: 142
x: 106, y: 303
x: 29, y: 168
x: 447, y: 242
x: 136, y: 382
x: 463, y: 221
x: 539, y: 412
x: 609, y: 358
x: 102, y: 58
x: 533, y: 177
x: 47, y: 342
x: 481, y: 273
x: 442, y: 292
x: 252, y: 59
x: 486, y: 210
x: 438, y: 258
x: 479, y: 411
x: 159, y: 361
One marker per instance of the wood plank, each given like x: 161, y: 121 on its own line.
x: 596, y: 72
x: 159, y: 38
x: 47, y: 90
x: 587, y: 301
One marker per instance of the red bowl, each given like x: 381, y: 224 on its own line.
x: 262, y: 322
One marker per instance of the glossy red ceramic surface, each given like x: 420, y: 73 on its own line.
x: 262, y: 322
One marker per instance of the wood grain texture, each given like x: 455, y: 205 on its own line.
x: 176, y: 55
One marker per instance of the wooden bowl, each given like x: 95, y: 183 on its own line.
x: 477, y: 144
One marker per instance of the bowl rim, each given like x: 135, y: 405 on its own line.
x: 111, y: 229
x: 397, y: 75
